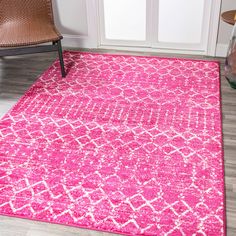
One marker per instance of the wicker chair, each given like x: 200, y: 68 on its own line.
x: 25, y: 23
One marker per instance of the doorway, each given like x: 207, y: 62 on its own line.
x: 179, y: 26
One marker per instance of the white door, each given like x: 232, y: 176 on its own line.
x: 186, y: 26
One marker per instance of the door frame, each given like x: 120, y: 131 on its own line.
x: 99, y: 31
x: 214, y: 27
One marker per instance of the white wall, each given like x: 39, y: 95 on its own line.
x: 77, y: 27
x: 224, y: 28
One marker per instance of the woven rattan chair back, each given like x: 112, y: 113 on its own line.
x: 25, y: 10
x: 25, y: 23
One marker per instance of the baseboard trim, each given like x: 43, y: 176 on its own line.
x: 78, y: 41
x: 85, y: 42
x: 221, y: 50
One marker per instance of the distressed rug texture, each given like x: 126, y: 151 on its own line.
x: 123, y: 144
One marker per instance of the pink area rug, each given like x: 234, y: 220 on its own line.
x: 123, y: 144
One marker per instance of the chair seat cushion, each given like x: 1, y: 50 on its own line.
x: 15, y: 34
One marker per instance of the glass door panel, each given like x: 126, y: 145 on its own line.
x: 180, y: 21
x: 123, y: 21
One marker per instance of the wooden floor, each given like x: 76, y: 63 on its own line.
x: 18, y: 73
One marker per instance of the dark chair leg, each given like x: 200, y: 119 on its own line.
x: 63, y: 73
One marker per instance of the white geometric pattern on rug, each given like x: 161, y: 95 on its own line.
x: 122, y: 144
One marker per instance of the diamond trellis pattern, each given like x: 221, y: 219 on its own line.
x: 124, y: 144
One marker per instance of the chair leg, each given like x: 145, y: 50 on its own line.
x: 63, y: 73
